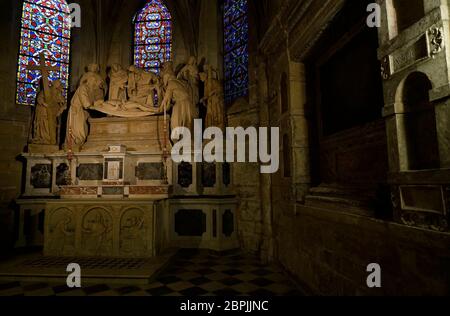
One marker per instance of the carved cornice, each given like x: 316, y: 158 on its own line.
x: 299, y: 24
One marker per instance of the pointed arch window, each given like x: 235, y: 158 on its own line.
x: 235, y: 22
x: 152, y: 36
x: 45, y: 29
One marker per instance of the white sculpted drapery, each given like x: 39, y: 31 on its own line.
x: 178, y: 96
x: 84, y: 98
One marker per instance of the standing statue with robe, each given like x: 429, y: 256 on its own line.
x: 177, y: 95
x: 48, y: 110
x: 133, y: 75
x: 213, y: 100
x: 118, y: 84
x: 190, y: 74
x: 84, y: 98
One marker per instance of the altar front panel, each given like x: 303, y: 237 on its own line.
x: 106, y: 228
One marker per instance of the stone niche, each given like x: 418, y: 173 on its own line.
x: 407, y: 13
x: 100, y: 229
x: 416, y: 93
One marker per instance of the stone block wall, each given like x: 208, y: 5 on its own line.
x: 329, y: 253
x: 246, y: 183
x: 14, y: 123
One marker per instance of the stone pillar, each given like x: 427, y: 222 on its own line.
x: 265, y: 179
x: 301, y: 177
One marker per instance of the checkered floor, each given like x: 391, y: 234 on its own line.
x: 192, y: 273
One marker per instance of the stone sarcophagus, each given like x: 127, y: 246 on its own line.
x: 137, y: 134
x: 100, y: 229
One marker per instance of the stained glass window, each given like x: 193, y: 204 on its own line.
x: 153, y: 36
x: 235, y: 49
x: 45, y: 29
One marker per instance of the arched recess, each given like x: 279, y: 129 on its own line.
x: 408, y: 12
x: 416, y: 119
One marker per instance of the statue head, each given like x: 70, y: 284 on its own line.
x: 93, y: 68
x: 167, y: 77
x: 116, y: 68
x: 203, y: 76
x: 167, y: 67
x: 192, y: 61
x: 57, y: 84
x: 132, y: 68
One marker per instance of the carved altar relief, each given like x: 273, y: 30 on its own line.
x: 97, y: 232
x: 134, y: 232
x: 99, y: 228
x: 61, y: 232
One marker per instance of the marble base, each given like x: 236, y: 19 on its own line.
x: 115, y: 191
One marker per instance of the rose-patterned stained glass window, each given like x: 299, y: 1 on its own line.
x: 235, y: 49
x: 45, y: 29
x: 152, y: 36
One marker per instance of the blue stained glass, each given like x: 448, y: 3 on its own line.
x: 236, y: 49
x: 45, y: 29
x: 153, y: 36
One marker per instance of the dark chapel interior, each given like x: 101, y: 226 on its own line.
x: 363, y: 114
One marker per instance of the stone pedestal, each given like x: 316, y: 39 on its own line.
x: 108, y: 195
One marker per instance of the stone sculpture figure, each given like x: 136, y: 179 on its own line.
x: 84, y: 98
x: 213, y: 100
x: 49, y: 108
x: 132, y: 82
x: 146, y: 85
x: 190, y: 74
x: 177, y: 95
x: 118, y: 84
x: 93, y: 73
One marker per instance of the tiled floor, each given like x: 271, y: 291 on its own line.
x: 192, y: 273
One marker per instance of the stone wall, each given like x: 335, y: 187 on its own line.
x: 327, y: 250
x: 330, y: 251
x: 14, y: 122
x: 246, y: 183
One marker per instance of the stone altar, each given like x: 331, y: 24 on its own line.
x: 105, y: 228
x: 113, y: 190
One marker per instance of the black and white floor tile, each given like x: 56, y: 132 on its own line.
x: 191, y: 273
